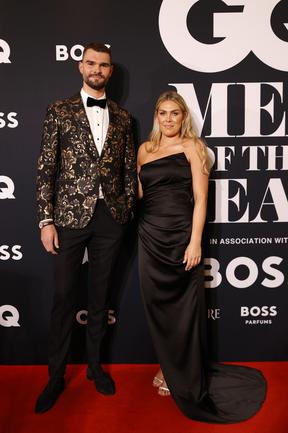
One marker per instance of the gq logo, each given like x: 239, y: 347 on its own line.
x: 241, y: 32
x: 6, y: 187
x: 4, y: 52
x: 9, y: 316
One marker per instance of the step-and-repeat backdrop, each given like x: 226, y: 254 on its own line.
x: 229, y: 60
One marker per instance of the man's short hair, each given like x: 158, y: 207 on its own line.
x: 98, y: 47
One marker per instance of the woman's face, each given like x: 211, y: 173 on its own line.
x: 170, y: 117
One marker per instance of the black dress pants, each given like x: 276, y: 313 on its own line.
x: 102, y: 237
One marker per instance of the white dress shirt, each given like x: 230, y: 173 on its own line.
x: 99, y: 121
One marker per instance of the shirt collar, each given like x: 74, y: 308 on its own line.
x: 85, y: 96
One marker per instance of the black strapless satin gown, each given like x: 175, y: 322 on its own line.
x: 174, y: 301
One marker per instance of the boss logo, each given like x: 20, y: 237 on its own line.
x: 9, y: 316
x: 81, y: 317
x: 6, y: 187
x: 230, y: 43
x: 7, y: 252
x: 63, y: 53
x: 8, y: 120
x: 256, y: 311
x: 4, y: 52
x: 274, y: 277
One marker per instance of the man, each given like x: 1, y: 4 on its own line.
x: 86, y: 189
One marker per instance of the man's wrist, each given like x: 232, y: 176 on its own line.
x: 45, y: 223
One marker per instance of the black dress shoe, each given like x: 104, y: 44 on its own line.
x: 49, y: 395
x: 103, y: 382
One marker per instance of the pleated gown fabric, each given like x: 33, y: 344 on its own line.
x: 174, y: 301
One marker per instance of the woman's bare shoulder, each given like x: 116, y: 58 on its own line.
x: 143, y: 152
x: 193, y: 144
x: 192, y: 147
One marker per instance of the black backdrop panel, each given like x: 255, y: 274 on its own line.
x: 235, y: 83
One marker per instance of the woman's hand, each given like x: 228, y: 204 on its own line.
x: 192, y: 256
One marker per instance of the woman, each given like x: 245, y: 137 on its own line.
x: 173, y: 181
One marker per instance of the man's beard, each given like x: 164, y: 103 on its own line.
x: 96, y: 85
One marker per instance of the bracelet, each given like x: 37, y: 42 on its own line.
x: 44, y: 224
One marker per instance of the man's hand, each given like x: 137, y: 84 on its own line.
x: 49, y: 238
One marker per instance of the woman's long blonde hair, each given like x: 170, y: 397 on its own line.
x: 187, y: 130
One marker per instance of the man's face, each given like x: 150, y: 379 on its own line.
x: 96, y: 69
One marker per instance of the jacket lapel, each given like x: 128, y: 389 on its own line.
x: 111, y: 128
x: 82, y: 122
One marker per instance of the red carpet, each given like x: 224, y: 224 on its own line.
x: 136, y: 408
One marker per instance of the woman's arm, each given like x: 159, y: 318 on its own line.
x: 192, y: 256
x: 140, y: 161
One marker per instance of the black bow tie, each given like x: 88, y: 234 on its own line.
x: 91, y: 102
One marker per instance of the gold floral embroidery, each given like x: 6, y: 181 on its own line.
x: 70, y: 168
